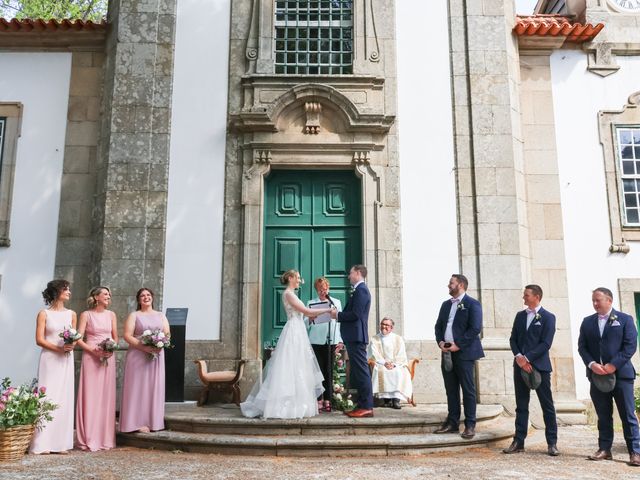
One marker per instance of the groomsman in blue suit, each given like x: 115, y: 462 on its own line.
x: 457, y: 333
x: 531, y: 338
x: 608, y: 339
x: 354, y: 330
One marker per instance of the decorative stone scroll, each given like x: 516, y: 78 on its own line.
x: 312, y: 110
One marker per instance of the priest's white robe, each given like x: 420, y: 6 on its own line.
x: 395, y: 382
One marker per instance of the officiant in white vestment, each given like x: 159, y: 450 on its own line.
x: 391, y: 377
x: 318, y: 335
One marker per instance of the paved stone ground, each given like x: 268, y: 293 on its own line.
x: 473, y: 463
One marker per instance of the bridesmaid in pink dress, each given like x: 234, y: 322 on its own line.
x: 142, y: 406
x: 96, y: 407
x: 55, y: 370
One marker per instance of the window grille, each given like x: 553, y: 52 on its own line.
x: 314, y: 37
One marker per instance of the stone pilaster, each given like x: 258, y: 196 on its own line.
x: 73, y: 250
x: 491, y: 188
x: 544, y: 211
x: 133, y: 160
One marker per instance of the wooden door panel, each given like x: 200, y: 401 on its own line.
x: 312, y: 224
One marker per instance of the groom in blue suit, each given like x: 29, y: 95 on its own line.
x: 458, y: 335
x: 608, y: 339
x: 355, y: 335
x: 531, y: 338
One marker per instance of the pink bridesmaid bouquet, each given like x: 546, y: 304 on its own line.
x: 155, y: 338
x: 107, y: 345
x: 69, y: 335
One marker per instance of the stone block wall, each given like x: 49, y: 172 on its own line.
x: 78, y: 185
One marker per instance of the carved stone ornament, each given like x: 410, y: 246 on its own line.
x: 312, y: 110
x: 602, y: 60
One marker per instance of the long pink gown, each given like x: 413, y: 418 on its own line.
x: 55, y: 372
x: 96, y: 407
x: 143, y: 387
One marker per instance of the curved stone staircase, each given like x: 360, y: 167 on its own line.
x: 222, y: 429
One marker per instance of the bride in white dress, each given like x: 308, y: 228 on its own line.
x: 292, y: 380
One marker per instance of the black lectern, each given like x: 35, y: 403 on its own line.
x: 174, y: 357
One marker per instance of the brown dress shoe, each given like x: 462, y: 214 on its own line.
x: 360, y: 413
x: 601, y: 455
x: 515, y: 447
x: 469, y: 433
x: 552, y: 451
x: 447, y: 428
x: 634, y: 459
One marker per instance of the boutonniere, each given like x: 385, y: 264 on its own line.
x: 612, y: 318
x: 351, y: 290
x: 537, y: 316
x: 461, y: 306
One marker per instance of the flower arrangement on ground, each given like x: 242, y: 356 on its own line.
x: 157, y: 339
x: 341, y: 400
x: 24, y: 405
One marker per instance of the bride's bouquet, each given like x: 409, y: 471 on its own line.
x: 156, y: 339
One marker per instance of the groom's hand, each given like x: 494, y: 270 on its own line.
x: 454, y: 347
x: 334, y: 313
x: 442, y: 347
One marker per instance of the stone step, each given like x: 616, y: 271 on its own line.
x: 571, y: 412
x: 228, y: 420
x: 369, y: 444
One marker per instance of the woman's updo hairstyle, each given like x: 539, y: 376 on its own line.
x: 95, y: 291
x: 53, y: 290
x: 284, y: 278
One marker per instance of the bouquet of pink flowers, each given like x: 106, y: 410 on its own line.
x: 107, y: 345
x: 69, y: 335
x: 156, y: 339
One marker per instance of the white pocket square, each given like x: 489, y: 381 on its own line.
x: 537, y: 323
x: 615, y: 323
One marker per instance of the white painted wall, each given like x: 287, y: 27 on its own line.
x: 40, y: 81
x: 193, y: 255
x: 427, y: 177
x: 578, y: 96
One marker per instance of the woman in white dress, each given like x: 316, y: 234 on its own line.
x: 292, y: 377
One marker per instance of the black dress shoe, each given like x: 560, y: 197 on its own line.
x: 447, y: 428
x: 634, y: 459
x: 515, y: 447
x: 552, y: 450
x: 387, y: 403
x: 601, y: 455
x: 469, y: 433
x: 395, y: 403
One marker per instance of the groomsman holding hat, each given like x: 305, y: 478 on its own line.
x: 458, y: 335
x: 608, y: 339
x: 531, y: 338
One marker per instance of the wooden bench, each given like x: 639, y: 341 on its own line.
x: 412, y: 370
x: 222, y: 380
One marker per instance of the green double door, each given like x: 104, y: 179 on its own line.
x: 312, y: 224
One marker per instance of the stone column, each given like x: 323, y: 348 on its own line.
x: 491, y: 188
x: 133, y: 160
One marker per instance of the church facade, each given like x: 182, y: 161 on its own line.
x: 203, y: 148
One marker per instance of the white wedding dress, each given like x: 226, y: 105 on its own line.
x: 292, y: 379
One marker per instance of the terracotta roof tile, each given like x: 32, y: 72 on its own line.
x: 28, y: 25
x: 555, y: 26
